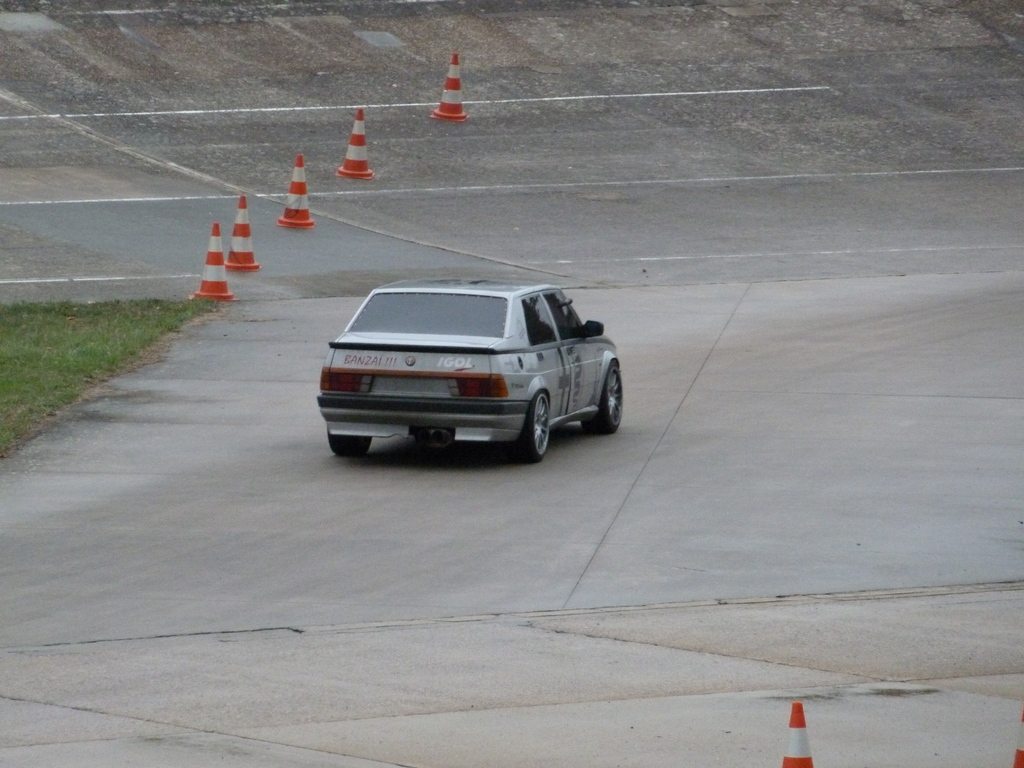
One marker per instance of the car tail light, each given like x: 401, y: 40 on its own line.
x: 343, y: 381
x: 482, y: 386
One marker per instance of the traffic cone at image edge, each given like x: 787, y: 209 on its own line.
x: 214, y: 284
x: 798, y: 755
x: 356, y: 165
x: 240, y: 257
x: 450, y: 107
x: 1018, y: 761
x: 296, y: 209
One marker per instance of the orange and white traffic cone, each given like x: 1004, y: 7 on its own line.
x: 799, y: 753
x: 450, y: 107
x: 356, y: 165
x: 1018, y: 761
x: 296, y: 209
x: 241, y: 257
x: 215, y: 279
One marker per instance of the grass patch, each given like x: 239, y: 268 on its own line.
x: 51, y: 354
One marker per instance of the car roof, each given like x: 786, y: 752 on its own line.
x: 464, y: 286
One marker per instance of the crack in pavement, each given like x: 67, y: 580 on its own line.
x: 834, y: 597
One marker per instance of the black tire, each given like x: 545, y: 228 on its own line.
x: 609, y: 411
x: 533, y: 440
x: 349, y: 445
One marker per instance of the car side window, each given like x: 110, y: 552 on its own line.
x: 538, y: 323
x: 568, y: 322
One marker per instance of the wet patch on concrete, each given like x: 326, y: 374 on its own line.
x: 138, y: 38
x: 898, y: 692
x: 838, y: 693
x: 380, y: 39
x: 27, y: 22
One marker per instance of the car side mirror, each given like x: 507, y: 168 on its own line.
x: 593, y: 328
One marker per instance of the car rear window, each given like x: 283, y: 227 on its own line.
x: 445, y: 314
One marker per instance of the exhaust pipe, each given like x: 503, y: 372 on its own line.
x: 435, y: 437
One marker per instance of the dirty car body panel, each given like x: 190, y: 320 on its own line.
x: 444, y: 360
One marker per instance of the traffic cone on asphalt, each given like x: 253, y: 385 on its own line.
x: 450, y: 107
x: 355, y: 165
x: 296, y: 210
x: 241, y: 257
x: 215, y: 279
x: 1018, y: 761
x: 799, y: 753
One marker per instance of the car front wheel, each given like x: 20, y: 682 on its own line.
x: 533, y: 440
x: 609, y: 411
x: 348, y: 445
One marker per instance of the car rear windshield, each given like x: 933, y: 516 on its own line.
x: 445, y: 314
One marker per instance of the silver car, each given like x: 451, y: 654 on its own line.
x: 474, y: 360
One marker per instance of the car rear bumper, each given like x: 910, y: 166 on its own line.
x: 470, y: 419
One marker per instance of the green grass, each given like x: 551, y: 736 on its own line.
x: 51, y: 354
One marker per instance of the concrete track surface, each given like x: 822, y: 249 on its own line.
x: 800, y: 222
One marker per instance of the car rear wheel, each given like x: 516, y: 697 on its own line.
x: 533, y: 440
x: 349, y: 445
x: 609, y: 411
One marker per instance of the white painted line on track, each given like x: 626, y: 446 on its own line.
x: 662, y: 94
x: 707, y: 180
x: 39, y: 280
x: 669, y: 182
x: 119, y: 12
x: 844, y: 252
x: 123, y: 12
x: 265, y: 7
x: 403, y: 105
x: 165, y: 199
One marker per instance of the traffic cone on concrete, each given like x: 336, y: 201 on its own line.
x: 296, y: 209
x: 355, y: 165
x: 215, y: 280
x: 798, y: 755
x: 241, y: 257
x: 450, y: 107
x: 1018, y: 761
